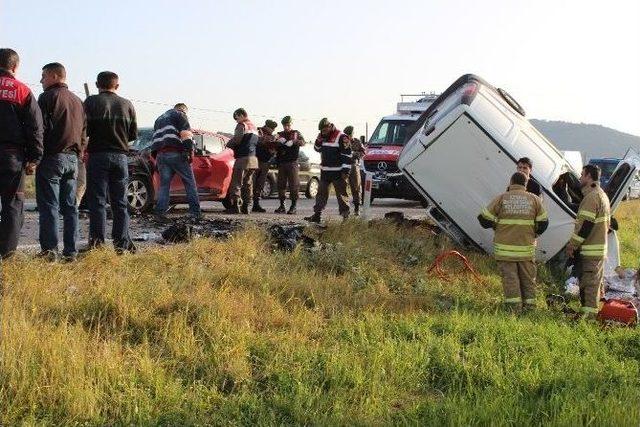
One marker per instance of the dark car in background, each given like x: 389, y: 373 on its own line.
x: 309, y: 178
x: 607, y: 167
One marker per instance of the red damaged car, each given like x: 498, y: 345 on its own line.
x: 212, y: 167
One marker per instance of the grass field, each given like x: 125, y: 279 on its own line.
x: 233, y: 333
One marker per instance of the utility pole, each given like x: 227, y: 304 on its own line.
x: 86, y: 89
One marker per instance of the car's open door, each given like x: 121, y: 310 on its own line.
x: 622, y: 178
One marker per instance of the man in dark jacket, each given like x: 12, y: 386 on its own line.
x: 64, y: 142
x: 264, y: 152
x: 111, y: 125
x: 20, y: 148
x: 525, y: 166
x: 173, y: 141
x: 289, y: 143
x: 335, y: 164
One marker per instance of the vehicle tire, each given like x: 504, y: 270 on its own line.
x: 140, y: 195
x: 269, y: 187
x: 312, y: 188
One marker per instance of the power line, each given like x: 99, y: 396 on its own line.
x: 206, y: 110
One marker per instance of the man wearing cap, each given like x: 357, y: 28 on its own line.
x: 243, y: 144
x: 335, y: 164
x: 355, y: 182
x: 288, y: 148
x: 265, y: 150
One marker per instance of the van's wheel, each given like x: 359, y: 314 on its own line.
x: 312, y: 188
x: 269, y: 185
x: 139, y: 194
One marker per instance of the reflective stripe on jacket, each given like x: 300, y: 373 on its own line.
x: 515, y: 216
x: 594, y: 209
x: 335, y: 154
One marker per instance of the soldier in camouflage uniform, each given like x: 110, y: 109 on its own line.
x: 355, y: 180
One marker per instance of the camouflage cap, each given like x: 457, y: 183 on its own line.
x: 286, y: 120
x: 323, y: 123
x: 270, y: 124
x: 348, y: 130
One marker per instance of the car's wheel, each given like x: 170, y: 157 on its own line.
x: 312, y: 188
x: 269, y: 186
x: 139, y: 194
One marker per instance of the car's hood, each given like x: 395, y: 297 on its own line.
x: 383, y: 152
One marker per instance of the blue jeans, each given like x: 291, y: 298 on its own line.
x: 56, y: 193
x: 108, y: 171
x: 168, y: 165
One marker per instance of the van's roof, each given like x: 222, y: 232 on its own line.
x: 466, y: 78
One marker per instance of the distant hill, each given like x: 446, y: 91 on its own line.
x: 591, y: 140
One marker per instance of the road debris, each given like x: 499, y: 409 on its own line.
x: 186, y: 229
x: 287, y: 237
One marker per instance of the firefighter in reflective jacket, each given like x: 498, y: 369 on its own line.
x: 588, y: 242
x: 517, y: 217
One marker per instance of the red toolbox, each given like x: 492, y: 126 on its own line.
x: 618, y: 311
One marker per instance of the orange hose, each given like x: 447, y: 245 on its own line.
x: 437, y: 265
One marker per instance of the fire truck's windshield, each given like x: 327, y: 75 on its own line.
x: 390, y: 132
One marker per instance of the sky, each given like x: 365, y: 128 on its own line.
x: 575, y: 61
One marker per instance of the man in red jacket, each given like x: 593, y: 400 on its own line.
x: 20, y: 148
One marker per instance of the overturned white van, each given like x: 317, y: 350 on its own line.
x: 464, y: 149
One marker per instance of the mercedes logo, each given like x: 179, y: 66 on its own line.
x: 382, y: 166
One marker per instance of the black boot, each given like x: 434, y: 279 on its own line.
x: 356, y: 209
x: 314, y: 218
x: 234, y: 208
x: 281, y: 209
x: 244, y: 208
x: 292, y: 210
x: 256, y: 206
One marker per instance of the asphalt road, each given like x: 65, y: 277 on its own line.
x: 142, y: 230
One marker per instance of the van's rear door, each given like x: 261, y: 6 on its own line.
x: 622, y: 178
